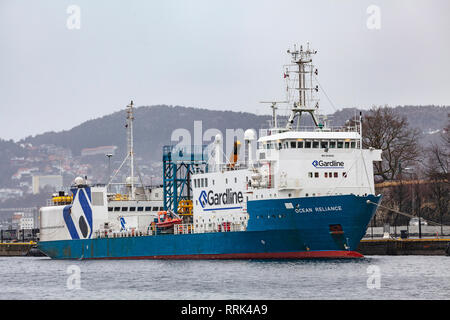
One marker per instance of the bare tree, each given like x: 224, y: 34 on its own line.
x: 437, y: 171
x: 386, y: 130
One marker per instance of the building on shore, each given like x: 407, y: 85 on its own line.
x: 54, y: 181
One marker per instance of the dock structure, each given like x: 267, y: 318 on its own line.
x: 392, y: 246
x: 16, y: 249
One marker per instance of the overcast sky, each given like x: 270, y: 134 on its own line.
x: 211, y: 54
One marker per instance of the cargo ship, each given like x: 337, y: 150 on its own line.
x: 300, y: 192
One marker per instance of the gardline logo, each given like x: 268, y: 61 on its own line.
x: 328, y: 164
x: 213, y: 199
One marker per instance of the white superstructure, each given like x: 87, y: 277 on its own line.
x: 290, y: 161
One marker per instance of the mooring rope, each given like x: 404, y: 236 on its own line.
x: 403, y: 213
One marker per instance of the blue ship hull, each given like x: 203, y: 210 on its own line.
x: 316, y: 227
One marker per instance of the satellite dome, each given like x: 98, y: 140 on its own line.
x: 250, y: 135
x: 129, y: 180
x: 79, y: 181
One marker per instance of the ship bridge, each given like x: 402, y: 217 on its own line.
x: 318, y: 139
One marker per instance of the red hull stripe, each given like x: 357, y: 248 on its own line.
x: 261, y: 255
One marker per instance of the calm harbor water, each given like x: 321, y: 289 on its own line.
x: 398, y: 277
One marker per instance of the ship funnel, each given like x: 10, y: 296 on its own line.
x: 234, y: 155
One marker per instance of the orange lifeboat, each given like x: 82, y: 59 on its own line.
x: 164, y: 221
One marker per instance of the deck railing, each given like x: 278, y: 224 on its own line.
x: 178, y: 229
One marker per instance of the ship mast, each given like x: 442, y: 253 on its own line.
x: 274, y: 113
x: 130, y: 156
x: 129, y: 125
x: 303, y: 68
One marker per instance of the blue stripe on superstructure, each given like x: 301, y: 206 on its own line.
x: 69, y: 222
x: 88, y: 192
x: 87, y: 210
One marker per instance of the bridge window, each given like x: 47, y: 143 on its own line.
x: 124, y: 208
x: 206, y: 182
x: 344, y: 174
x: 324, y: 144
x: 116, y: 208
x: 316, y: 174
x: 155, y: 209
x: 353, y: 144
x: 140, y: 208
x: 110, y: 208
x: 315, y: 144
x: 340, y: 144
x: 332, y: 144
x: 148, y: 208
x: 347, y: 144
x: 310, y: 174
x: 326, y: 174
x: 293, y: 144
x: 132, y: 208
x: 335, y: 174
x: 300, y: 144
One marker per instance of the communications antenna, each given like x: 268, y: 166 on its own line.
x: 303, y: 88
x: 274, y: 113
